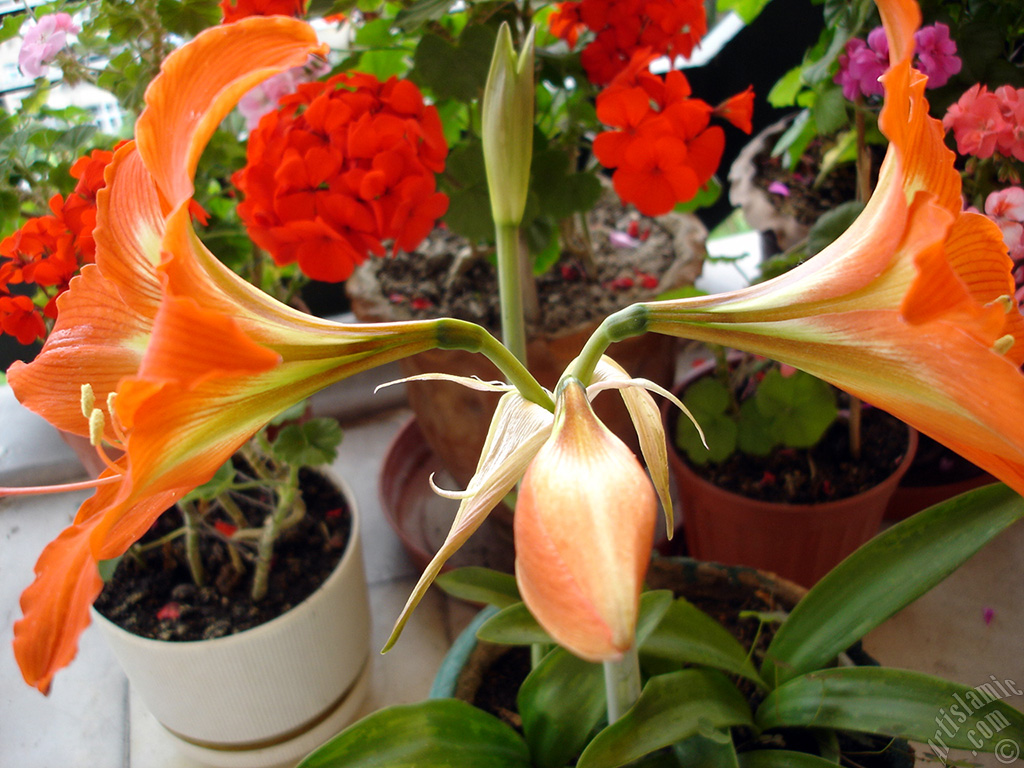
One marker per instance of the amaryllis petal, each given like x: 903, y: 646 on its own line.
x: 183, y: 110
x: 517, y: 431
x: 584, y: 528
x: 199, y: 359
x: 911, y: 309
x: 646, y: 418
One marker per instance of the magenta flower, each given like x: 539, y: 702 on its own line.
x: 936, y: 54
x: 862, y: 64
x: 43, y: 41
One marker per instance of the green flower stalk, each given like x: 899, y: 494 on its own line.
x: 508, y: 146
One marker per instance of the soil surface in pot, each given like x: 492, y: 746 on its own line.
x: 153, y: 595
x: 731, y: 604
x: 934, y: 464
x: 631, y: 252
x: 827, y: 472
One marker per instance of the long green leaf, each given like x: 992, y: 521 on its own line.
x: 671, y: 708
x: 687, y: 635
x: 782, y: 758
x: 561, y: 702
x: 441, y: 733
x: 886, y: 574
x: 897, y: 703
x: 513, y: 625
x: 480, y: 585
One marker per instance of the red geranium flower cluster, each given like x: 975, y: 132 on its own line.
x: 341, y: 168
x: 623, y: 27
x: 985, y: 122
x: 49, y: 250
x: 664, y: 148
x: 240, y: 9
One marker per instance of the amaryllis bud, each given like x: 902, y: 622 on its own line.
x: 584, y: 528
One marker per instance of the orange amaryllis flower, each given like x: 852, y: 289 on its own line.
x: 518, y: 431
x: 584, y: 528
x: 186, y: 359
x: 911, y: 309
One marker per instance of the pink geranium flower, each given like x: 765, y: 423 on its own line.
x: 265, y: 96
x: 1010, y: 140
x: 977, y: 120
x: 936, y: 54
x: 1006, y: 208
x: 43, y: 41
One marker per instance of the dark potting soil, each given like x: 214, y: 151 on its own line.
x: 807, y: 199
x: 828, y: 472
x: 153, y: 595
x: 935, y: 464
x: 427, y: 283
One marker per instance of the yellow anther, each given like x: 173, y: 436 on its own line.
x: 1003, y: 345
x: 96, y: 425
x: 111, y: 402
x: 88, y: 400
x: 1008, y: 303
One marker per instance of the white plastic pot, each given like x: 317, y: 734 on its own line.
x: 271, y: 694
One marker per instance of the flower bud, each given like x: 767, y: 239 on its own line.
x: 508, y: 127
x: 584, y: 528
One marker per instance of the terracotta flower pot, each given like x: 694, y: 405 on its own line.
x: 269, y: 695
x: 454, y: 420
x: 800, y: 542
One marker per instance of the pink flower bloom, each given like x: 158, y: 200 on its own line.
x: 43, y: 41
x: 936, y: 54
x: 977, y: 121
x: 1010, y: 140
x: 1006, y: 208
x: 778, y: 188
x: 265, y: 96
x: 862, y: 65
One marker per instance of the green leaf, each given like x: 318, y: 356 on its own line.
x: 469, y: 213
x: 385, y: 56
x: 441, y: 733
x: 783, y: 93
x: 513, y: 625
x: 884, y: 575
x: 454, y: 71
x: 707, y: 398
x: 556, y: 725
x: 830, y: 110
x: 11, y: 27
x: 712, y: 748
x: 748, y: 10
x: 706, y: 196
x: 188, y: 17
x: 754, y: 430
x: 308, y: 444
x: 671, y: 708
x: 420, y: 12
x: 799, y: 407
x: 221, y: 482
x: 782, y: 758
x: 480, y: 585
x: 831, y: 225
x: 896, y: 703
x: 687, y: 635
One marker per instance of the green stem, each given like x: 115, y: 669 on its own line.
x: 460, y: 334
x: 510, y: 290
x: 289, y: 508
x: 631, y: 321
x: 192, y: 556
x: 622, y: 683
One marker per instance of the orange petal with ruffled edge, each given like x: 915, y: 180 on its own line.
x: 183, y: 109
x: 911, y: 309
